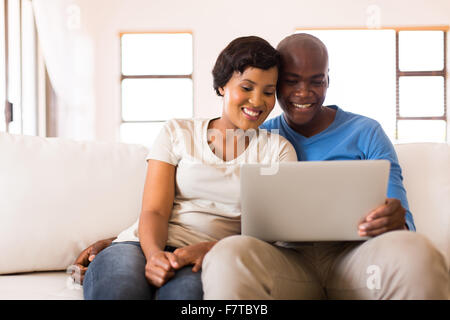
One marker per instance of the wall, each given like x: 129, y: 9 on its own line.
x: 214, y: 24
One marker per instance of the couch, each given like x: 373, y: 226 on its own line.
x: 58, y: 196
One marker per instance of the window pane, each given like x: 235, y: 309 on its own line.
x: 14, y: 72
x: 157, y: 54
x: 421, y: 96
x: 421, y: 130
x: 362, y: 73
x: 156, y: 99
x: 2, y: 67
x: 140, y: 133
x: 29, y: 71
x: 421, y: 50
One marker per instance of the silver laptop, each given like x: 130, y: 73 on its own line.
x: 311, y: 200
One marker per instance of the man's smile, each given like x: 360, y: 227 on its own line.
x: 302, y: 106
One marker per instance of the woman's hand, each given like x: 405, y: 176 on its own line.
x: 192, y: 254
x: 158, y: 269
x: 88, y: 254
x: 388, y: 217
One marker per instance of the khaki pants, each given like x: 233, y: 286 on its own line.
x: 395, y: 265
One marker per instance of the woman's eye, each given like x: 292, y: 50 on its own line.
x: 246, y: 88
x: 269, y: 93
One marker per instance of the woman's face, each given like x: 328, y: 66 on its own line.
x: 249, y: 97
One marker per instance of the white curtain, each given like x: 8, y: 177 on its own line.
x: 68, y: 49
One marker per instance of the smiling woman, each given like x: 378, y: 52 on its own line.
x: 245, y: 75
x: 192, y: 191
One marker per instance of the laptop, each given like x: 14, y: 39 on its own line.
x: 311, y: 200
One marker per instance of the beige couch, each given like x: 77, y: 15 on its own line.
x: 58, y: 196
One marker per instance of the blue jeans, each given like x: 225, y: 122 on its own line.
x: 118, y: 273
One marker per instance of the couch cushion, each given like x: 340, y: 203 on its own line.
x: 39, y: 286
x: 58, y: 196
x: 426, y: 173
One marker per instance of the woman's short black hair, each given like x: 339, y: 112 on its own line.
x: 240, y: 54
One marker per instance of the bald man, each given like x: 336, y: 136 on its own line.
x: 394, y: 264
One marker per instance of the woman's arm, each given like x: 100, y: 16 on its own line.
x: 157, y: 203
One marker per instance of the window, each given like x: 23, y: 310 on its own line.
x: 395, y: 76
x: 421, y: 111
x: 3, y: 67
x: 13, y: 86
x: 18, y: 68
x: 156, y: 83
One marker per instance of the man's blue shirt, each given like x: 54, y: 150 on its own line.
x: 349, y: 137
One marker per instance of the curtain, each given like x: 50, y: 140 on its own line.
x: 68, y: 49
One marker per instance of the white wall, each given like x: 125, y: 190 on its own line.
x: 214, y: 24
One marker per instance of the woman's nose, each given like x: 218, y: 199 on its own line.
x: 256, y: 100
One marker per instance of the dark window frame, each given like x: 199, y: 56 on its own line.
x: 398, y: 74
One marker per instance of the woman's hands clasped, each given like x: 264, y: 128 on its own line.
x: 161, y: 265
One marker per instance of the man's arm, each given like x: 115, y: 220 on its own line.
x: 396, y: 209
x: 88, y: 254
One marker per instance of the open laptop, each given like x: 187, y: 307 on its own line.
x: 311, y: 200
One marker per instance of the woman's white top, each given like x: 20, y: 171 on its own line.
x: 207, y: 189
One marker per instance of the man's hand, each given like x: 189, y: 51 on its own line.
x: 88, y: 254
x: 193, y: 254
x: 388, y: 217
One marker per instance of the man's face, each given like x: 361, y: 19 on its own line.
x: 302, y: 84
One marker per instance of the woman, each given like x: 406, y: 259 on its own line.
x: 191, y: 192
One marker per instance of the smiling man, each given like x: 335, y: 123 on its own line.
x: 393, y: 264
x: 329, y: 133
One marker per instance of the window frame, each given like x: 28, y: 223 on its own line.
x: 147, y: 76
x: 398, y: 74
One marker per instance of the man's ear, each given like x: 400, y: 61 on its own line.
x: 328, y: 81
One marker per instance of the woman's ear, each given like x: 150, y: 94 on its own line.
x: 221, y: 91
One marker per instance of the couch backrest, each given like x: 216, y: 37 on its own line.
x: 57, y: 196
x: 426, y: 173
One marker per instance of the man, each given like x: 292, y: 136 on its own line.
x: 394, y: 264
x: 329, y: 133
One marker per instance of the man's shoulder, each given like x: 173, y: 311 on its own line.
x: 358, y: 120
x: 273, y: 123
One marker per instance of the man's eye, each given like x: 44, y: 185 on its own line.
x: 319, y: 83
x: 290, y: 81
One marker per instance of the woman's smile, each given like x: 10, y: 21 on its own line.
x: 251, y: 113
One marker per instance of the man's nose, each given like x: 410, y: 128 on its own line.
x: 302, y: 90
